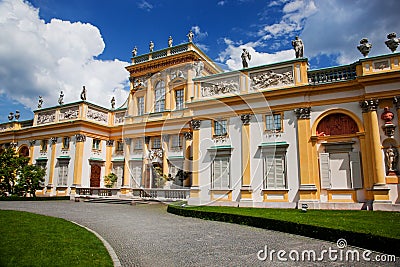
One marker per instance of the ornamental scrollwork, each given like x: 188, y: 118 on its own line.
x: 80, y: 138
x: 303, y: 113
x: 46, y: 117
x: 97, y: 115
x: 188, y: 135
x: 369, y: 105
x: 195, y: 124
x: 245, y: 118
x: 219, y: 88
x: 271, y: 78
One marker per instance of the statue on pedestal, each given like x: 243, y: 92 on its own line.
x: 134, y: 52
x: 190, y: 36
x: 61, y: 98
x: 391, y: 159
x: 245, y: 55
x: 298, y: 47
x: 151, y: 46
x: 40, y: 102
x: 170, y: 40
x: 83, y: 93
x: 113, y: 102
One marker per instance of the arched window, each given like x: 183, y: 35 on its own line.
x: 159, y: 97
x: 337, y: 124
x: 24, y: 151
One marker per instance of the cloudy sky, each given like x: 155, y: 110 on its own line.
x: 48, y: 46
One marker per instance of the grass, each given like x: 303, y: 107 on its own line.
x: 29, y: 239
x: 379, y: 223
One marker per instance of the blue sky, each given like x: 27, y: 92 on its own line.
x: 53, y: 45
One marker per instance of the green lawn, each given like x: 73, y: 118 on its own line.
x: 378, y: 223
x: 29, y: 239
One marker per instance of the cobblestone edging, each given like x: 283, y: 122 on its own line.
x: 367, y: 241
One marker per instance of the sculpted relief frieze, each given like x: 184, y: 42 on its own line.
x: 46, y: 117
x: 220, y: 87
x: 69, y: 113
x: 96, y: 115
x: 119, y: 118
x: 272, y: 78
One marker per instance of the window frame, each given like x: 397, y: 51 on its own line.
x: 153, y: 142
x: 215, y: 186
x: 268, y: 170
x: 273, y: 128
x: 119, y: 146
x: 140, y: 105
x: 66, y: 142
x: 63, y: 170
x: 179, y: 143
x: 217, y: 129
x: 43, y: 145
x: 159, y: 96
x: 179, y: 104
x: 94, y: 146
x: 136, y: 142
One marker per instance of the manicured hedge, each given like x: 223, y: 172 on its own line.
x: 18, y: 198
x: 368, y: 241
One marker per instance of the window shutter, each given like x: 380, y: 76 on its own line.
x: 324, y: 170
x: 225, y: 173
x: 217, y: 173
x: 355, y: 169
x: 279, y: 172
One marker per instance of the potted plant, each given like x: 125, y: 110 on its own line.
x: 110, y: 180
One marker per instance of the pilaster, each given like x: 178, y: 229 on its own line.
x: 127, y: 149
x: 246, y: 190
x: 195, y: 189
x: 308, y: 190
x: 164, y: 140
x: 79, y: 149
x: 52, y: 163
x: 186, y: 165
x: 109, y: 148
x: 31, y: 150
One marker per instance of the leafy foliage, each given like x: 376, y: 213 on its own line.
x: 16, y: 176
x: 110, y: 180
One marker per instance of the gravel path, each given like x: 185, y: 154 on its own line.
x: 146, y: 235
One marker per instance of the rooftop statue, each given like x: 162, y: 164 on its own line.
x: 113, y: 102
x: 393, y: 42
x: 170, y: 40
x: 245, y: 55
x: 40, y: 102
x: 151, y: 46
x: 364, y: 47
x: 190, y: 36
x: 134, y: 52
x: 198, y: 67
x: 83, y: 93
x: 298, y: 47
x: 61, y: 98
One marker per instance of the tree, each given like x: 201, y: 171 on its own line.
x: 10, y: 167
x: 16, y: 176
x: 30, y: 179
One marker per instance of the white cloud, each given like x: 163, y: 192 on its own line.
x: 221, y: 3
x: 198, y: 34
x: 39, y: 58
x: 145, y: 5
x: 339, y: 25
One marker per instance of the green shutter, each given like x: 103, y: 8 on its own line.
x: 355, y: 168
x: 324, y: 170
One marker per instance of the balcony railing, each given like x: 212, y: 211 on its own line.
x: 160, y: 53
x: 330, y: 75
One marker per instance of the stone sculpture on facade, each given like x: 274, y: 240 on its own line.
x: 298, y: 47
x: 388, y: 127
x: 190, y: 36
x: 40, y: 102
x: 134, y: 52
x: 113, y: 102
x: 391, y: 156
x: 245, y: 56
x: 83, y: 93
x: 271, y: 78
x: 364, y: 47
x: 170, y: 41
x: 61, y: 98
x: 198, y: 67
x: 219, y: 88
x: 151, y: 46
x: 393, y: 42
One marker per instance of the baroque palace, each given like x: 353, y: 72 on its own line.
x: 275, y: 135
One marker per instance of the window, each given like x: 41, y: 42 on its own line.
x: 159, y: 104
x: 43, y: 145
x: 63, y: 174
x: 65, y: 143
x: 156, y: 142
x: 136, y: 180
x: 176, y: 141
x: 179, y: 99
x: 274, y: 167
x: 119, y: 172
x: 273, y: 122
x: 220, y: 173
x: 138, y: 144
x: 96, y: 144
x: 140, y: 105
x: 120, y: 146
x: 340, y: 170
x: 220, y: 127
